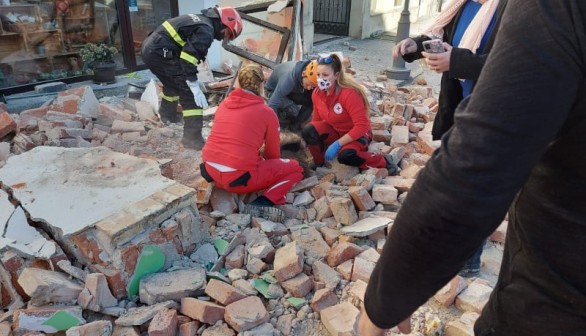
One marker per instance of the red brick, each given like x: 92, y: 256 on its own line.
x: 342, y: 252
x: 116, y: 282
x: 164, y: 323
x: 246, y: 314
x: 129, y: 255
x: 7, y: 124
x: 188, y: 329
x: 88, y: 248
x: 223, y: 292
x: 202, y: 311
x: 157, y: 236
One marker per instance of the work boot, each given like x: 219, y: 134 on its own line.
x: 168, y: 112
x: 263, y: 207
x: 392, y: 167
x: 192, y: 138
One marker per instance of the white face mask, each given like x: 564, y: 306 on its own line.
x: 324, y: 84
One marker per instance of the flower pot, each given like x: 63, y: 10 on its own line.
x: 104, y: 73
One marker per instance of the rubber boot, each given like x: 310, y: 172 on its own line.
x: 192, y: 138
x: 168, y: 112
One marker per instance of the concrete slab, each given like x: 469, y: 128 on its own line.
x: 73, y: 188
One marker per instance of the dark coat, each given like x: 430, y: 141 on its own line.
x: 518, y: 143
x: 463, y: 65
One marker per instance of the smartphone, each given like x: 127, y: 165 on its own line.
x: 434, y: 46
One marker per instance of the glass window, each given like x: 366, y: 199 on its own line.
x: 40, y: 39
x: 145, y: 17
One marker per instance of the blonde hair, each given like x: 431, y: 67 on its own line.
x: 250, y: 78
x: 346, y: 80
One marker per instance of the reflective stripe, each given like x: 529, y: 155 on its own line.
x: 170, y: 98
x: 192, y: 113
x: 187, y: 57
x: 173, y: 33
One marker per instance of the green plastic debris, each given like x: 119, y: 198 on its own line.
x: 296, y: 302
x: 221, y: 245
x: 62, y: 320
x: 298, y: 227
x: 269, y: 278
x: 262, y: 287
x: 151, y: 260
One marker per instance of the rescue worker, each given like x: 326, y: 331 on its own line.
x: 289, y: 89
x: 172, y: 53
x: 232, y: 155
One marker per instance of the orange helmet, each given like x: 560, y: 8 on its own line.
x: 311, y: 73
x: 231, y: 19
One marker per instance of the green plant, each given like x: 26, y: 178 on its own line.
x: 92, y: 54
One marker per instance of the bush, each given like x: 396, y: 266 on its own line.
x: 97, y: 53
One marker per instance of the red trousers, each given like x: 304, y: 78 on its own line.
x: 276, y: 177
x: 353, y: 154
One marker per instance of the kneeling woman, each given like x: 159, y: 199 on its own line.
x: 340, y: 124
x: 242, y: 124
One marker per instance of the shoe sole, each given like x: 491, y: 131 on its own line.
x: 266, y: 212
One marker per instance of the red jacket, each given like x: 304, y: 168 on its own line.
x: 344, y: 110
x: 242, y: 124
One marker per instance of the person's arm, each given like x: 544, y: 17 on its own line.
x: 272, y: 137
x: 283, y: 88
x: 354, y: 104
x: 410, y: 57
x: 195, y: 50
x: 466, y: 65
x: 463, y: 193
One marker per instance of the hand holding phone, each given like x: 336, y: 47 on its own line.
x: 434, y: 46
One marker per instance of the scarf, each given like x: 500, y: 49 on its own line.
x: 475, y: 31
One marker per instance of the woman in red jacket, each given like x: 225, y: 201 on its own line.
x: 242, y: 124
x: 340, y: 124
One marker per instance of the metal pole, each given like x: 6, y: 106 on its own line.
x: 398, y: 70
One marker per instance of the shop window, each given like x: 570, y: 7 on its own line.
x: 40, y: 40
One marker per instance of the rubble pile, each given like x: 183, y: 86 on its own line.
x: 114, y: 248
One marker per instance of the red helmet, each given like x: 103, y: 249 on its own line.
x: 231, y: 19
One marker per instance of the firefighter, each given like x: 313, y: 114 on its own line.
x: 172, y: 53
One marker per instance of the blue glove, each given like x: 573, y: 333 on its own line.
x: 332, y: 150
x: 198, y: 96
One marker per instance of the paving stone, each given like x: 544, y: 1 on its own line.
x: 189, y: 329
x: 322, y: 208
x: 361, y: 198
x: 311, y: 241
x: 339, y: 320
x: 298, y: 286
x: 330, y: 235
x: 96, y: 328
x: 288, y: 262
x: 175, y: 285
x: 324, y: 273
x: 125, y: 331
x: 322, y: 299
x: 362, y: 269
x: 48, y: 319
x: 246, y: 314
x: 164, y: 323
x: 235, y: 259
x: 45, y: 286
x: 474, y: 297
x: 343, y: 210
x: 385, y: 194
x: 366, y: 226
x: 141, y: 315
x: 345, y: 269
x: 342, y: 252
x: 447, y: 295
x: 357, y: 289
x: 219, y: 330
x: 202, y: 311
x: 97, y: 285
x: 464, y: 326
x: 223, y: 292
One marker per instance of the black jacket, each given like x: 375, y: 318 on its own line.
x: 285, y: 87
x: 195, y: 34
x: 463, y: 65
x: 518, y: 143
